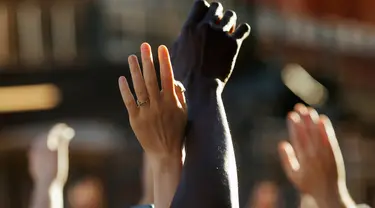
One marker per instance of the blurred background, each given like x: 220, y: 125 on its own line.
x: 60, y: 60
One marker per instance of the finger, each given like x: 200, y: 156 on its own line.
x: 313, y: 127
x: 333, y: 149
x: 304, y: 124
x: 197, y: 13
x: 149, y: 72
x: 228, y: 21
x: 180, y: 92
x: 138, y: 81
x: 166, y: 72
x: 288, y: 160
x: 127, y: 95
x: 328, y: 133
x: 242, y: 32
x: 215, y: 12
x: 294, y: 121
x: 326, y: 148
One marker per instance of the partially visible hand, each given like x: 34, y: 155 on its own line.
x: 313, y: 160
x: 42, y: 161
x: 159, y: 118
x: 208, y: 44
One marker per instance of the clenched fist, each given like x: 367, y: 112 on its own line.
x: 208, y: 44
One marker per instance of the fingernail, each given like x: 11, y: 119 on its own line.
x: 131, y: 58
x: 303, y: 110
x: 294, y: 117
x: 314, y: 115
x: 144, y: 47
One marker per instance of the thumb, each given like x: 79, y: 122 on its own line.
x: 180, y: 92
x: 288, y: 160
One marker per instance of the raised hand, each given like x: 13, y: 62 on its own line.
x: 49, y: 166
x: 208, y: 44
x: 158, y: 118
x: 313, y: 160
x: 203, y: 58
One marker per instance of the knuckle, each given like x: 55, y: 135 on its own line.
x: 142, y: 94
x: 130, y: 104
x: 216, y: 4
x: 230, y: 13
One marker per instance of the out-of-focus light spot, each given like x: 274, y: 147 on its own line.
x: 29, y: 98
x: 302, y: 84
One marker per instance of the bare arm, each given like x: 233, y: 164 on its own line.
x: 209, y: 177
x: 204, y: 56
x: 147, y: 182
x: 166, y: 173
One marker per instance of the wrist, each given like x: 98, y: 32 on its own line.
x: 146, y: 200
x: 202, y: 90
x: 337, y: 198
x: 166, y: 163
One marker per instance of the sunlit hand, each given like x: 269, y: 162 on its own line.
x: 313, y: 161
x: 159, y: 117
x: 208, y: 43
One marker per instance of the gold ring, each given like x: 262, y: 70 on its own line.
x: 140, y: 103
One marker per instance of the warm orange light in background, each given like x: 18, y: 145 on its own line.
x: 29, y: 98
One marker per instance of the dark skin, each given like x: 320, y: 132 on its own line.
x: 203, y: 58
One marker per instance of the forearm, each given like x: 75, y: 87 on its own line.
x: 210, y: 175
x: 166, y: 177
x: 148, y: 182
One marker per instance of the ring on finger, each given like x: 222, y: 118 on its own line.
x: 142, y: 103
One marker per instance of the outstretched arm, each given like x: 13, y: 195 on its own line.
x: 210, y: 176
x: 203, y: 58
